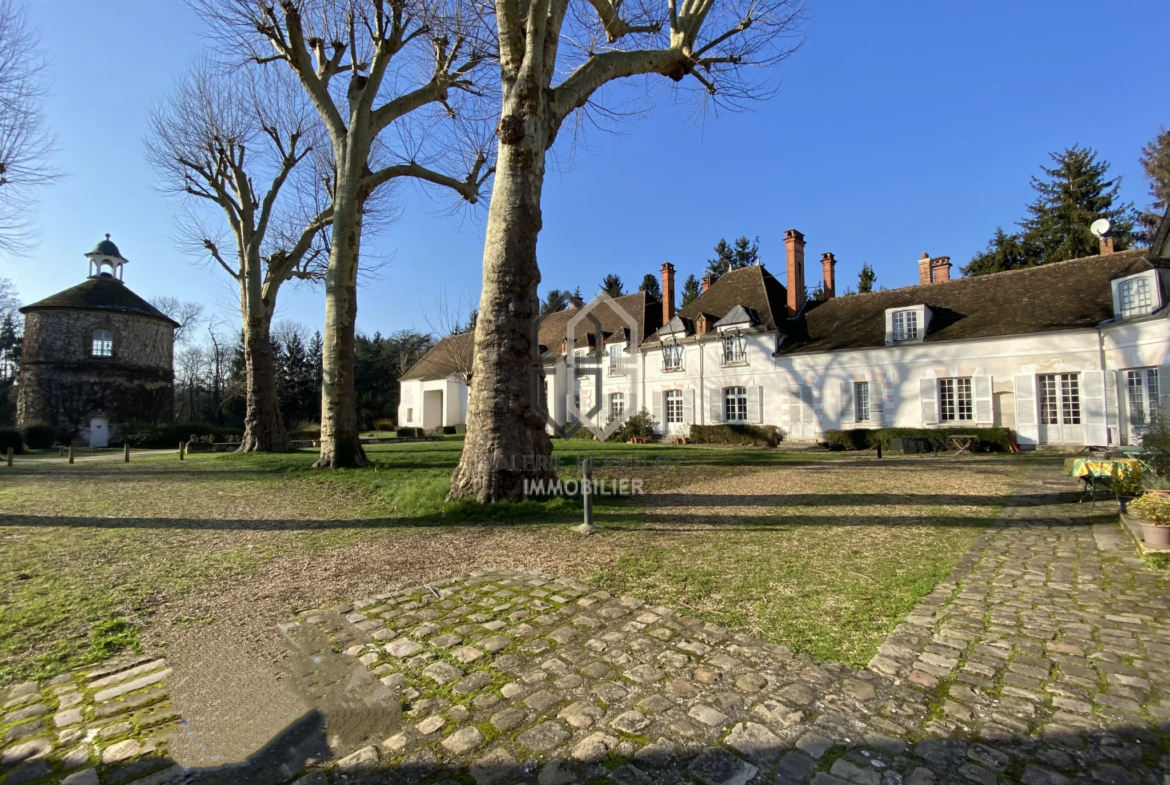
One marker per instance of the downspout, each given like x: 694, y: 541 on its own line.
x: 702, y: 380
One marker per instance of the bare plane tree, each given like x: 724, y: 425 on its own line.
x: 582, y: 46
x: 212, y: 140
x: 25, y: 145
x: 374, y: 69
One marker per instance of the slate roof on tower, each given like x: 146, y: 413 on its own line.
x: 100, y: 293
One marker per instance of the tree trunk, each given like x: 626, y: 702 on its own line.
x: 506, y: 441
x: 263, y: 427
x: 341, y: 446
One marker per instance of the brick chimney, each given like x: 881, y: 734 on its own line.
x: 829, y: 262
x: 924, y: 270
x: 1106, y: 244
x: 667, y: 292
x: 706, y: 284
x: 794, y: 247
x: 940, y: 269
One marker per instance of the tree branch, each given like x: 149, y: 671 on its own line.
x: 575, y: 91
x: 468, y: 187
x: 214, y: 251
x: 615, y: 26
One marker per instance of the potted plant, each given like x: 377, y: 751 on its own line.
x: 1155, y: 484
x: 1127, y: 485
x: 1154, y: 513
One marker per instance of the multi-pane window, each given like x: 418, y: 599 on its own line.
x: 735, y: 404
x: 734, y: 349
x: 1060, y: 399
x: 861, y: 401
x: 674, y: 406
x: 672, y: 357
x: 103, y: 343
x: 617, y: 405
x: 905, y: 325
x: 954, y: 399
x: 617, y: 362
x: 1136, y: 297
x: 1142, y: 394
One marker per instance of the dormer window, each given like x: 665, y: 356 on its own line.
x: 672, y: 357
x: 1135, y: 297
x: 905, y: 326
x: 103, y: 343
x: 908, y: 324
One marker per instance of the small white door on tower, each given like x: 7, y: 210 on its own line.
x: 99, y: 432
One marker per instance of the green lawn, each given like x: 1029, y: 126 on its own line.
x: 821, y: 552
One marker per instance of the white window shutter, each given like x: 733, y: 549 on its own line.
x: 983, y: 400
x: 1112, y: 408
x: 656, y: 408
x: 1027, y: 421
x: 632, y: 403
x: 794, y: 408
x: 760, y: 408
x: 846, y: 403
x: 715, y: 404
x: 753, y: 404
x: 928, y: 396
x: 1164, y: 389
x: 1093, y: 416
x: 877, y: 403
x: 689, y: 405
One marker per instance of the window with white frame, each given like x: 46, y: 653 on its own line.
x: 734, y: 349
x: 617, y: 405
x: 1060, y: 398
x: 905, y: 325
x: 674, y: 406
x: 1136, y: 297
x: 735, y: 404
x: 1141, y: 386
x: 955, y: 402
x: 672, y: 357
x: 617, y: 362
x: 861, y: 401
x: 103, y: 343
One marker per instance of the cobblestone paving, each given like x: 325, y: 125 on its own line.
x: 1042, y: 661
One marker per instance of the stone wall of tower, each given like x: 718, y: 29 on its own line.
x: 63, y: 385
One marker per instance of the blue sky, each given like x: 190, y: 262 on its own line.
x: 901, y: 127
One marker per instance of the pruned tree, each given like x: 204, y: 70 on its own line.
x: 25, y: 144
x: 555, y: 58
x: 186, y: 313
x: 228, y: 145
x: 380, y: 74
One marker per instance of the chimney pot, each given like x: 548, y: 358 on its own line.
x: 940, y: 269
x: 706, y: 284
x: 667, y: 292
x: 794, y: 251
x: 829, y: 262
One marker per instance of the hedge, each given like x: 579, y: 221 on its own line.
x: 410, y: 433
x: 987, y: 439
x: 11, y: 437
x: 163, y: 436
x: 450, y: 429
x: 39, y: 436
x: 754, y: 435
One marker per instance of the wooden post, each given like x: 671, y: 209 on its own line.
x: 182, y: 450
x: 10, y: 456
x: 71, y: 453
x: 126, y: 453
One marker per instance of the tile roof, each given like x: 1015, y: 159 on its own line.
x: 751, y: 287
x: 100, y: 293
x: 1058, y: 296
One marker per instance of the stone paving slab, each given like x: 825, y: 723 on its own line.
x: 1039, y: 661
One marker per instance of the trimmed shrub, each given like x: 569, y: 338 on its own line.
x: 11, y: 437
x: 753, y: 435
x: 308, y: 430
x: 39, y: 436
x: 164, y: 436
x: 410, y: 433
x: 988, y: 439
x: 450, y: 429
x: 853, y: 439
x: 1156, y: 445
x: 384, y: 424
x: 640, y: 426
x: 460, y: 429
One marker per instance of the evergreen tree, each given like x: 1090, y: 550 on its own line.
x: 690, y: 290
x: 9, y: 366
x: 554, y: 302
x: 650, y: 286
x: 818, y: 294
x: 1073, y: 193
x: 727, y: 258
x: 1155, y: 163
x: 316, y: 348
x: 612, y: 285
x: 866, y: 279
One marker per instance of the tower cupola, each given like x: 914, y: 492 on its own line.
x: 106, y: 254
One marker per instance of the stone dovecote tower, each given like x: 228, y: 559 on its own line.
x: 96, y: 357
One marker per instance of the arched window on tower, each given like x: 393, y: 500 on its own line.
x: 103, y: 343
